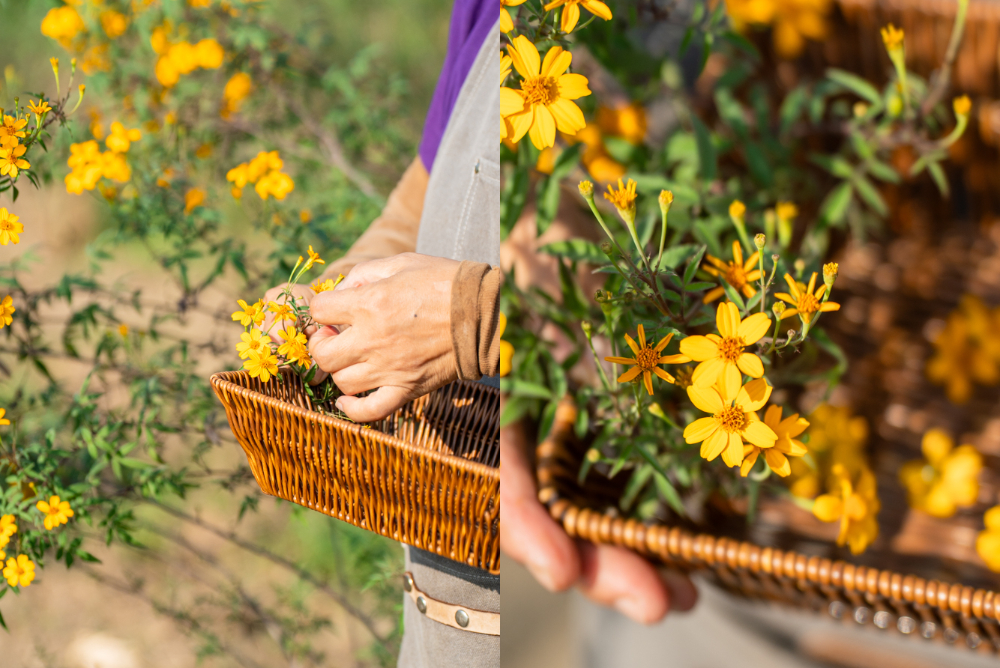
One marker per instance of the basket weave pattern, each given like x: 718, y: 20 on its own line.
x: 911, y: 604
x: 426, y: 476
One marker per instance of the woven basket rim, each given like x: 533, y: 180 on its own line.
x: 220, y: 379
x: 672, y: 544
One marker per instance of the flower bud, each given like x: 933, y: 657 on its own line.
x: 607, y: 248
x: 593, y: 455
x: 760, y: 241
x: 830, y: 270
x: 629, y: 296
x: 665, y: 199
x: 657, y: 410
x: 587, y: 190
x: 778, y: 309
x: 962, y: 106
x: 737, y: 210
x: 791, y: 334
x: 588, y: 329
x: 599, y: 296
x: 860, y: 109
x: 892, y: 37
x: 800, y: 266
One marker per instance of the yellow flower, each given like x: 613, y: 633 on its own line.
x: 20, y: 571
x: 506, y: 348
x: 121, y: 139
x: 737, y: 273
x: 988, y: 541
x: 624, y: 200
x: 786, y: 211
x: 261, y: 364
x: 282, y: 312
x: 962, y: 105
x: 737, y: 210
x: 805, y: 303
x: 723, y: 355
x: 63, y: 24
x: 113, y: 23
x: 209, y: 54
x: 314, y: 258
x: 322, y: 286
x: 274, y: 183
x: 505, y: 63
x: 236, y: 90
x: 507, y: 23
x: 793, y: 21
x: 600, y: 165
x: 10, y: 228
x: 11, y: 161
x: 292, y: 338
x: 56, y: 512
x: 855, y: 505
x: 6, y: 307
x: 647, y: 360
x: 251, y: 341
x: 785, y: 446
x: 946, y: 479
x: 3, y: 420
x: 194, y: 198
x: 733, y: 420
x: 543, y: 102
x: 8, y: 527
x: 251, y: 313
x: 892, y: 37
x: 627, y: 121
x: 12, y: 131
x: 967, y: 350
x: 39, y: 108
x: 571, y: 11
x: 123, y: 330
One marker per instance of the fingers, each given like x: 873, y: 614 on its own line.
x: 375, y: 406
x: 374, y: 270
x: 334, y: 307
x: 623, y: 580
x: 333, y: 350
x: 357, y: 378
x: 527, y: 533
x: 683, y: 593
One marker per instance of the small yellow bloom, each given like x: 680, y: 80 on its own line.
x: 3, y: 420
x: 544, y: 101
x: 121, y: 138
x: 292, y: 338
x: 988, y: 541
x: 665, y: 199
x: 586, y: 189
x: 967, y: 350
x: 194, y: 198
x: 723, y: 356
x: 305, y: 216
x: 314, y: 258
x: 113, y: 23
x: 251, y: 341
x: 856, y: 506
x: 12, y: 131
x: 63, y: 24
x: 39, y: 108
x: 20, y: 571
x: 237, y: 89
x: 835, y: 437
x: 786, y: 211
x: 11, y: 161
x: 792, y: 21
x: 261, y: 364
x: 785, y: 446
x: 737, y: 210
x: 647, y: 360
x: 830, y: 271
x: 10, y: 228
x: 506, y: 348
x: 123, y: 330
x: 805, y: 303
x: 56, y: 512
x: 739, y: 274
x: 962, y: 105
x: 251, y: 313
x: 627, y: 121
x: 623, y: 200
x: 571, y: 11
x: 507, y: 23
x: 892, y: 37
x: 8, y: 527
x: 946, y: 479
x: 282, y: 312
x: 733, y: 420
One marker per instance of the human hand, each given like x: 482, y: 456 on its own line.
x: 399, y: 337
x: 607, y: 575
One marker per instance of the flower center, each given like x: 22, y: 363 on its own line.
x: 6, y: 225
x: 808, y: 303
x: 540, y: 90
x: 730, y: 348
x: 735, y: 276
x: 732, y: 420
x: 647, y: 358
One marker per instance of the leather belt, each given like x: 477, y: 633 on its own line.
x: 455, y: 616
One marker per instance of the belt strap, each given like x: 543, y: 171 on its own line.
x: 455, y: 616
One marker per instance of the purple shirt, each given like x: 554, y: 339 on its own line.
x: 472, y: 21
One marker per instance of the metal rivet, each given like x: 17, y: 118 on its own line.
x: 928, y: 629
x: 408, y: 582
x: 862, y: 615
x: 421, y: 604
x: 462, y: 618
x: 951, y: 635
x: 837, y: 609
x: 882, y: 619
x: 906, y: 625
x: 973, y: 640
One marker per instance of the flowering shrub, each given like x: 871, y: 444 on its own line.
x: 715, y: 286
x: 106, y: 407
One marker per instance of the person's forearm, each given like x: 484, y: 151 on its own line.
x: 475, y: 312
x: 395, y: 230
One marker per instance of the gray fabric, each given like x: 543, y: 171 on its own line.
x: 461, y: 221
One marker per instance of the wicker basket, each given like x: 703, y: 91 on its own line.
x: 428, y: 475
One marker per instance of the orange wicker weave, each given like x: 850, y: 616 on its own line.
x: 428, y: 475
x: 886, y: 599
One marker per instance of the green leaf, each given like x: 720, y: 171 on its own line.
x: 707, y: 156
x: 882, y: 171
x: 577, y: 250
x: 513, y: 410
x: 734, y: 296
x: 835, y: 206
x: 937, y: 173
x: 868, y: 192
x: 548, y: 419
x: 675, y: 255
x: 514, y: 197
x: 693, y: 264
x: 523, y: 388
x: 855, y: 84
x: 669, y: 494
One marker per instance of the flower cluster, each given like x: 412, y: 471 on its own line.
x: 261, y: 352
x: 793, y: 21
x: 12, y: 132
x: 946, y: 479
x: 836, y: 437
x: 264, y: 171
x: 237, y: 89
x: 88, y: 164
x: 182, y: 57
x: 966, y: 350
x: 854, y: 503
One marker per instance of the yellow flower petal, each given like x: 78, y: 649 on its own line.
x: 753, y: 328
x: 749, y: 459
x: 699, y: 348
x: 556, y: 62
x: 525, y: 57
x: 713, y: 446
x: 733, y: 454
x: 704, y: 427
x: 511, y: 101
x: 751, y: 365
x: 727, y: 319
x: 828, y: 508
x: 570, y: 16
x: 760, y: 434
x: 706, y: 399
x: 569, y: 118
x: 573, y: 86
x: 753, y: 395
x: 630, y: 374
x: 778, y: 462
x: 730, y: 381
x: 597, y: 8
x: 707, y: 373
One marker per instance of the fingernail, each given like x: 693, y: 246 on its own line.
x: 631, y: 608
x: 541, y: 574
x: 340, y: 405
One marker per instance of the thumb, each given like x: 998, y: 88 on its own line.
x: 375, y: 406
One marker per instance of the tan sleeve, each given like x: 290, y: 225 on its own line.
x: 475, y: 313
x: 395, y: 230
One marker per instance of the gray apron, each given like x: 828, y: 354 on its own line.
x: 460, y: 221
